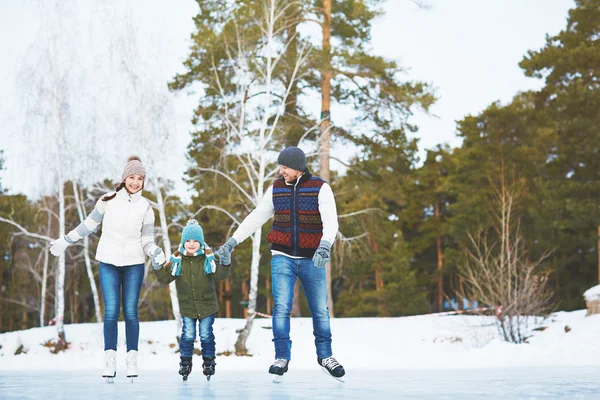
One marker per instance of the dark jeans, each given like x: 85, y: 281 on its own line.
x: 112, y: 280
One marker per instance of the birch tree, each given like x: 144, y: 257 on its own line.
x: 242, y: 48
x: 147, y: 122
x: 48, y: 84
x: 41, y: 241
x: 79, y: 204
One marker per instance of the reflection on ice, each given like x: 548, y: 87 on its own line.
x: 515, y: 383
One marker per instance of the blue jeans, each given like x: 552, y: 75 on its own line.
x: 284, y: 272
x: 112, y: 279
x: 207, y: 338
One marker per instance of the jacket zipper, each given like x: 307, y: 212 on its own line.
x: 293, y: 215
x: 127, y: 214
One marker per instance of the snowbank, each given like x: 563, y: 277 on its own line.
x: 419, y: 342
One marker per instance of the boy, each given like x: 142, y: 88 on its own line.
x: 194, y: 269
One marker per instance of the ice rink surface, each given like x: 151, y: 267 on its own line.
x: 514, y: 383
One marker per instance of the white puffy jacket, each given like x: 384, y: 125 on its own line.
x: 127, y: 229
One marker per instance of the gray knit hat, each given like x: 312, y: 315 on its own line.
x: 292, y: 157
x: 134, y: 167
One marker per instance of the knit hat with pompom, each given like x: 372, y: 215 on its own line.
x: 134, y: 166
x: 192, y: 231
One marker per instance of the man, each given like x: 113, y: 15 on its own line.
x: 304, y: 228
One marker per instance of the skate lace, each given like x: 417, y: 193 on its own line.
x: 330, y: 363
x: 280, y: 363
x: 132, y: 359
x: 109, y: 360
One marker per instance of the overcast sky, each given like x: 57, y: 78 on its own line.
x: 468, y: 49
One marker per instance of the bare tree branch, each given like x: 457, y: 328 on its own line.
x: 25, y: 231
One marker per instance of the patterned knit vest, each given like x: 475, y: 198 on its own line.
x: 297, y: 226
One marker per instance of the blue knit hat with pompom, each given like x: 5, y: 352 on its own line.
x: 192, y: 231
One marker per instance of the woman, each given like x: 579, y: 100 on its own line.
x: 127, y: 236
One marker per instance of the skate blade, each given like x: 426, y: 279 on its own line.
x: 109, y: 379
x: 185, y: 378
x: 208, y: 378
x: 340, y: 379
x: 277, y: 378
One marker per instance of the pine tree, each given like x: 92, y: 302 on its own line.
x: 374, y: 257
x: 570, y: 65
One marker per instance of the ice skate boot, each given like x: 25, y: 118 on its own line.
x: 132, y: 367
x: 279, y: 367
x: 208, y: 367
x: 332, y: 368
x: 110, y: 366
x: 185, y: 367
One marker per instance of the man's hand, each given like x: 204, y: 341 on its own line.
x: 321, y: 257
x: 225, y: 251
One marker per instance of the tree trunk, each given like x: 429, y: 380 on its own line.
x: 221, y: 298
x: 240, y: 344
x: 293, y: 130
x: 59, y: 312
x: 44, y: 283
x: 438, y: 242
x: 598, y: 254
x: 167, y: 247
x: 228, y: 298
x: 325, y: 126
x: 75, y: 300
x: 86, y: 255
x: 245, y: 295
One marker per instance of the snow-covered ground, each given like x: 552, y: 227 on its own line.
x: 416, y: 357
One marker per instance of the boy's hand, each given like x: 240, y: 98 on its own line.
x: 225, y: 251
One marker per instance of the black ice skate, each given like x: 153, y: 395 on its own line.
x: 332, y: 368
x: 185, y: 367
x: 279, y: 367
x: 208, y: 367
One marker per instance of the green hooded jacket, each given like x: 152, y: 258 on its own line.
x: 196, y: 292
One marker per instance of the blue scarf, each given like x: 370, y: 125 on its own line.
x: 209, y: 262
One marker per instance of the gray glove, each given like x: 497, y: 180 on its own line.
x: 225, y: 251
x: 321, y: 257
x: 158, y: 259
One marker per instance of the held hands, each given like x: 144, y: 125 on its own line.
x: 158, y: 259
x: 225, y: 251
x: 321, y: 257
x: 58, y: 246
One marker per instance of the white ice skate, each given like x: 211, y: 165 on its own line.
x: 110, y: 365
x: 132, y: 368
